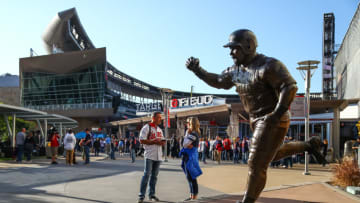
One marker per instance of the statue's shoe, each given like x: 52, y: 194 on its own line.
x: 314, y: 147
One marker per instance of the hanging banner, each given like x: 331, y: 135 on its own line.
x: 297, y: 107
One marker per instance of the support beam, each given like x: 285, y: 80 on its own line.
x: 120, y: 133
x: 14, y: 128
x: 6, y: 119
x: 336, y: 133
x: 234, y: 125
x: 359, y: 111
x: 45, y: 131
x: 61, y: 133
x: 40, y: 128
x: 180, y: 127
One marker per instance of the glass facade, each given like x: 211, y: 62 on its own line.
x: 78, y: 88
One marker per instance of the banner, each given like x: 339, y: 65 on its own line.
x: 297, y: 107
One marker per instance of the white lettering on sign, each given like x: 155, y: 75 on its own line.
x: 148, y: 107
x: 137, y: 84
x: 128, y: 80
x: 192, y: 101
x: 118, y: 76
x: 110, y: 72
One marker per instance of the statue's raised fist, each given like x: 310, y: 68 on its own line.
x: 192, y: 63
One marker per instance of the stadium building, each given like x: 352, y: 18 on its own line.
x: 76, y: 80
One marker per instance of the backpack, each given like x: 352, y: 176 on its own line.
x: 149, y: 133
x: 227, y: 144
x: 219, y: 145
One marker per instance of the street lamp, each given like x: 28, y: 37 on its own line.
x: 305, y: 68
x: 191, y: 91
x: 166, y: 95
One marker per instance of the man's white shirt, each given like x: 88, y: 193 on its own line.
x: 153, y: 152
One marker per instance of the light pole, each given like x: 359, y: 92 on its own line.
x: 305, y: 68
x: 166, y: 95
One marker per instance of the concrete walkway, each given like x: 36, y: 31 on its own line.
x: 118, y: 181
x: 283, y: 185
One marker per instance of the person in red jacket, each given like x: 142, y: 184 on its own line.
x: 54, y: 143
x: 227, y: 148
x: 218, y: 149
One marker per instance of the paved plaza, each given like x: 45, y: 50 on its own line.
x: 118, y: 181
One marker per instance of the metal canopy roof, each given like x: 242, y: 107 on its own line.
x: 33, y: 115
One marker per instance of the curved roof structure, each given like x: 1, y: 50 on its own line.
x: 65, y: 33
x: 33, y: 115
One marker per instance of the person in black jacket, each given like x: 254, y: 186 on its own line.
x: 29, y: 146
x: 97, y: 146
x: 174, y: 147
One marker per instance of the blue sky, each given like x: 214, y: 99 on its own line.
x: 151, y: 39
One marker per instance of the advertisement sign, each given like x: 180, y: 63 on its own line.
x: 180, y: 104
x: 192, y: 101
x: 149, y: 107
x: 297, y: 107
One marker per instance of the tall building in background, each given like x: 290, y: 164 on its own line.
x: 328, y: 89
x: 75, y: 79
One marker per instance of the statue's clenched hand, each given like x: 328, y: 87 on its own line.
x: 193, y: 64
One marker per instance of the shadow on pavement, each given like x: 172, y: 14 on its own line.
x: 14, y: 197
x: 234, y: 198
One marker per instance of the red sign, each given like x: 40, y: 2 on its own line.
x: 174, y: 103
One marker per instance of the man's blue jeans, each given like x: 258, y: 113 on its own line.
x: 236, y: 157
x: 151, y: 170
x: 87, y: 154
x: 20, y: 152
x: 133, y: 155
x: 112, y: 154
x: 203, y: 158
x: 245, y: 157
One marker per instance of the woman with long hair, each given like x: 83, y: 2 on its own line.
x: 190, y: 156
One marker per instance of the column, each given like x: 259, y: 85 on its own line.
x: 336, y: 133
x: 13, y: 130
x: 180, y: 128
x: 359, y: 111
x: 234, y: 125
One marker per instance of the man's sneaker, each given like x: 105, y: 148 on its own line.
x: 154, y: 198
x: 140, y: 200
x: 313, y: 147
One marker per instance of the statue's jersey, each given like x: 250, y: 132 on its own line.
x: 259, y: 85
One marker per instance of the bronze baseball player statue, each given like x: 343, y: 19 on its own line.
x: 266, y: 90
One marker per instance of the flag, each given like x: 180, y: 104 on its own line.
x: 168, y: 118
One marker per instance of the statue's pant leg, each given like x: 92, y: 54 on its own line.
x: 264, y: 145
x: 289, y: 149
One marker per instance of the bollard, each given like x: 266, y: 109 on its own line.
x: 348, y: 151
x: 358, y: 160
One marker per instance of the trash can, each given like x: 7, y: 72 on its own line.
x: 348, y: 151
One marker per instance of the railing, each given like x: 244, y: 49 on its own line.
x: 72, y: 106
